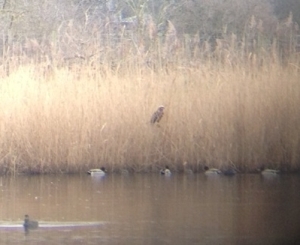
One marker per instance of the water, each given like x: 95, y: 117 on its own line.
x: 151, y: 209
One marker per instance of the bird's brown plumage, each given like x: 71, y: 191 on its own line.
x: 157, y: 115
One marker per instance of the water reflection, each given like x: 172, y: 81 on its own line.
x: 151, y: 209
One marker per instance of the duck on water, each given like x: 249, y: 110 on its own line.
x: 97, y: 172
x: 211, y: 171
x: 268, y: 171
x: 166, y: 171
x: 29, y: 224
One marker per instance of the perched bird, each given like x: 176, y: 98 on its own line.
x: 29, y: 224
x: 157, y: 115
x: 97, y: 171
x: 210, y: 171
x: 166, y: 171
x: 267, y: 171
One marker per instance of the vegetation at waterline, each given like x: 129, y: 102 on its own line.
x: 69, y: 120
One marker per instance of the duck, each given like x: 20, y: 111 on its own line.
x: 30, y: 224
x: 268, y: 171
x: 229, y: 172
x: 166, y: 171
x: 186, y: 169
x: 97, y: 171
x: 211, y: 171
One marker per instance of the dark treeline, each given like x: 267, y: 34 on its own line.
x: 74, y: 26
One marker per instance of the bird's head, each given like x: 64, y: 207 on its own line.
x: 161, y: 108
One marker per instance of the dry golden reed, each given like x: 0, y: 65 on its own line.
x: 91, y: 116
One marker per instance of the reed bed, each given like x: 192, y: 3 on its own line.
x: 70, y: 119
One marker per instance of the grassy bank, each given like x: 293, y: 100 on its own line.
x: 72, y: 119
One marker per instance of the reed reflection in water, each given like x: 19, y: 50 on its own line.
x: 153, y: 209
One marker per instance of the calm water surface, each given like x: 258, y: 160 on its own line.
x: 152, y: 209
